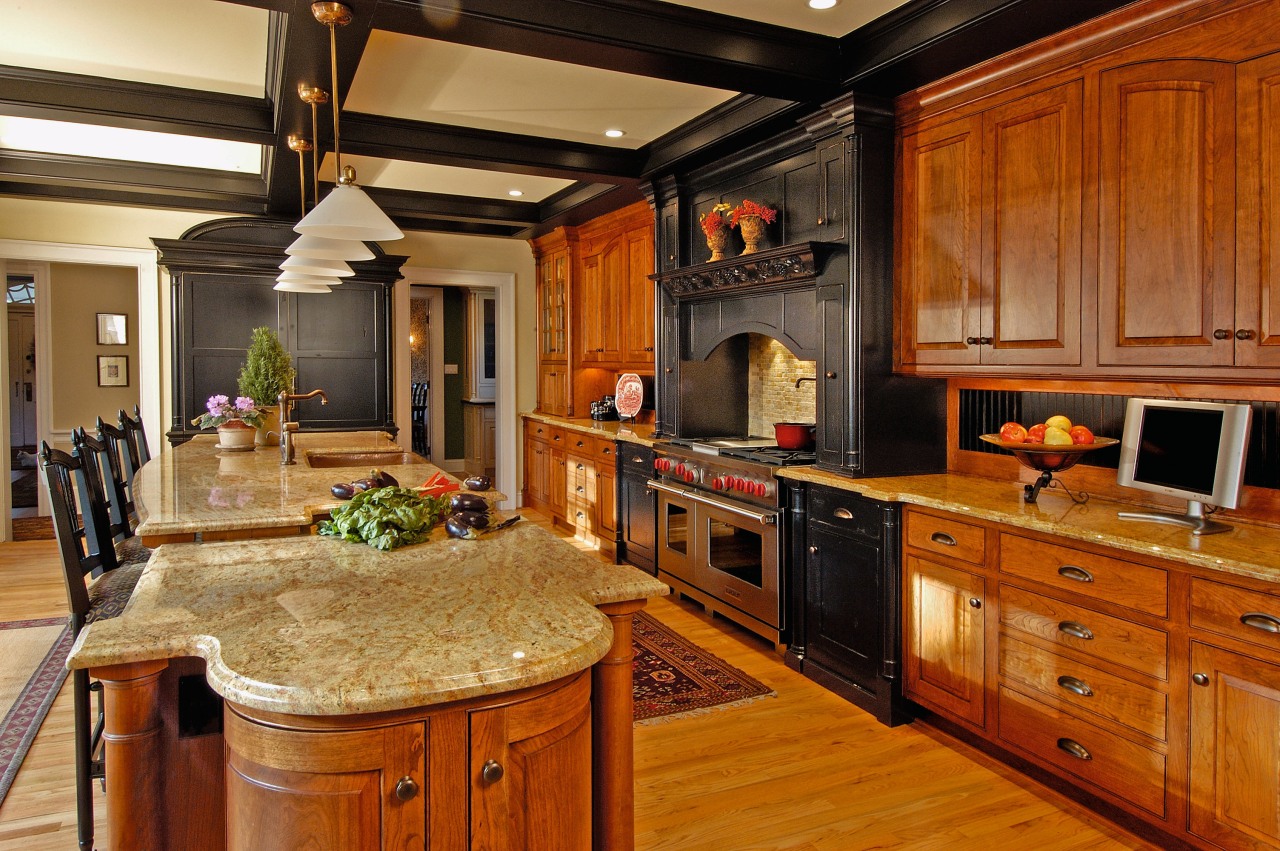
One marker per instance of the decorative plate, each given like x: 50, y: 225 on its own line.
x: 629, y: 395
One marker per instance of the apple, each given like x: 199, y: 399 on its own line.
x: 1054, y: 436
x: 1059, y: 421
x: 1035, y: 434
x: 1013, y: 433
x: 1080, y: 434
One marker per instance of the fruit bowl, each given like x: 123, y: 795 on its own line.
x: 1047, y: 459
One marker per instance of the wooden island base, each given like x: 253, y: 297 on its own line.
x: 542, y: 767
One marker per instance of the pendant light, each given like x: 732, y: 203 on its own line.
x: 329, y: 249
x: 317, y: 266
x: 346, y: 212
x: 301, y: 287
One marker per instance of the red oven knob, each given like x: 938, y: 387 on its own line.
x: 679, y: 469
x: 740, y: 484
x: 657, y: 464
x: 761, y: 488
x: 689, y: 476
x: 718, y: 483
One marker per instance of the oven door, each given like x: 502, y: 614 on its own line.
x: 675, y: 531
x: 736, y: 557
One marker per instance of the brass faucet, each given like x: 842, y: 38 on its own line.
x: 806, y: 378
x: 286, y: 400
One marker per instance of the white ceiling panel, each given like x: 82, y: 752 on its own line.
x: 443, y: 179
x: 144, y: 41
x: 424, y: 80
x: 844, y: 18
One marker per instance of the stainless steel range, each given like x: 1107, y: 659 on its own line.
x: 720, y: 535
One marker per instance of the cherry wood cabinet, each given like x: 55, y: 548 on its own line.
x: 544, y: 467
x: 573, y: 478
x: 553, y: 261
x: 1257, y: 314
x: 944, y: 621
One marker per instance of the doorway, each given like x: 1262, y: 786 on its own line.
x: 24, y: 477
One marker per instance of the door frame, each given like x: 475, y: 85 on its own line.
x: 504, y: 283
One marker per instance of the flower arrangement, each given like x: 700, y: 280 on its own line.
x: 751, y: 208
x: 221, y: 410
x: 714, y: 219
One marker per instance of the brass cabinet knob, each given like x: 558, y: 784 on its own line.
x: 1244, y: 334
x: 406, y: 788
x: 971, y: 341
x: 1221, y: 333
x: 813, y: 549
x: 831, y: 374
x: 491, y: 772
x: 821, y: 221
x: 1200, y: 679
x: 669, y: 369
x: 975, y: 603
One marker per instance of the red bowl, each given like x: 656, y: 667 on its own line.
x: 794, y: 435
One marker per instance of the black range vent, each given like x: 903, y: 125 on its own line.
x: 984, y: 411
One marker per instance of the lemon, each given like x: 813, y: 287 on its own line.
x: 1055, y: 436
x: 1058, y: 421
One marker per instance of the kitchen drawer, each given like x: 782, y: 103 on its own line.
x: 1250, y: 616
x: 542, y: 431
x: 1112, y: 763
x: 1111, y: 639
x: 579, y: 443
x: 846, y: 513
x: 1124, y: 583
x: 1083, y: 687
x: 606, y: 450
x: 636, y: 459
x: 944, y: 536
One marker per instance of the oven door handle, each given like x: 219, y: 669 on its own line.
x: 763, y: 518
x: 655, y: 485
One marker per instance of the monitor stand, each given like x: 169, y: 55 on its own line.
x: 1195, y: 519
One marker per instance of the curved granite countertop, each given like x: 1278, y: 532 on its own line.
x: 319, y: 626
x: 195, y: 487
x: 641, y: 433
x: 1247, y: 550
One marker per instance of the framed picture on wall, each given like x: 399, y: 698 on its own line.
x: 113, y: 370
x: 113, y: 329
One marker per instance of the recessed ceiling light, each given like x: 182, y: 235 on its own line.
x: 822, y: 4
x: 614, y: 134
x: 514, y: 193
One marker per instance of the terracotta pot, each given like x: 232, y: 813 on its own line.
x: 752, y: 228
x: 269, y: 432
x: 794, y: 435
x: 716, y: 241
x: 236, y: 435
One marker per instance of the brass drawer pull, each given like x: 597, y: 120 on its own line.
x: 843, y: 513
x: 1079, y: 574
x: 1079, y: 630
x: 943, y: 538
x: 1075, y: 686
x: 1074, y: 748
x: 1262, y: 621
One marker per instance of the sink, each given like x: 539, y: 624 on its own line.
x: 373, y: 458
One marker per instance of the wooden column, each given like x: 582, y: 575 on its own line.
x: 132, y: 734
x: 613, y: 762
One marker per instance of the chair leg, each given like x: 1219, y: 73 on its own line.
x: 84, y: 756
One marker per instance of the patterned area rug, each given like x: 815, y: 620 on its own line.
x: 25, y: 698
x: 672, y: 678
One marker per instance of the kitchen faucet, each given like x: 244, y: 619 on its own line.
x: 806, y: 378
x: 286, y: 400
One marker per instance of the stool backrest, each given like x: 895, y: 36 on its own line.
x: 136, y: 437
x: 83, y: 544
x: 120, y: 462
x: 102, y: 479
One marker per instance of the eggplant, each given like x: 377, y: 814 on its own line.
x: 343, y: 490
x: 463, y: 501
x: 458, y: 527
x: 478, y: 483
x: 383, y: 478
x: 364, y: 484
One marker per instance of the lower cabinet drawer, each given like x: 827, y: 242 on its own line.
x: 1112, y: 763
x: 944, y: 536
x: 1085, y: 688
x: 1112, y: 639
x: 1238, y: 612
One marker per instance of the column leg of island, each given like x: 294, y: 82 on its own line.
x: 612, y: 717
x: 134, y: 742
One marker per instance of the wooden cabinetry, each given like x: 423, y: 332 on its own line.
x: 520, y: 768
x: 544, y: 467
x: 1257, y: 309
x: 479, y: 430
x: 595, y: 308
x: 637, y: 507
x: 573, y: 478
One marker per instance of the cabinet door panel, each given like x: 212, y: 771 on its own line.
x: 1031, y: 228
x: 1167, y: 208
x: 638, y: 318
x: 1258, y: 213
x: 844, y: 604
x: 943, y: 622
x: 941, y: 238
x: 1235, y: 748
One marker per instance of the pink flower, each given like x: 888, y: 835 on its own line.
x: 216, y: 404
x: 244, y: 403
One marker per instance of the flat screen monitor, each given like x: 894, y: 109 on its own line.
x: 1188, y: 450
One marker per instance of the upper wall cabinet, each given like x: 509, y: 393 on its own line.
x: 990, y: 233
x: 1149, y: 252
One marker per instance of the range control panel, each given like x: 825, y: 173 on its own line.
x: 731, y: 477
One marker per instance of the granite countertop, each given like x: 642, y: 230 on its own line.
x: 320, y: 626
x: 195, y: 487
x: 641, y: 433
x: 1247, y: 550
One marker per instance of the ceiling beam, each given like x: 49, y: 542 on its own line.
x: 447, y: 144
x: 400, y: 203
x: 644, y: 37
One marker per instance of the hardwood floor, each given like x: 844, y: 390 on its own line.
x: 804, y: 771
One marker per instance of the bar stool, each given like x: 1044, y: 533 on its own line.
x: 135, y: 438
x: 120, y: 462
x: 100, y: 479
x: 85, y: 549
x: 418, y: 417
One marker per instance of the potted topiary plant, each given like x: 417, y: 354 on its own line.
x: 267, y: 372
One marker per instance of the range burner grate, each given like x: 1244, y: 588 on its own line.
x: 773, y: 455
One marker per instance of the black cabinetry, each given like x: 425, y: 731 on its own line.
x: 222, y: 275
x: 637, y: 507
x: 845, y: 586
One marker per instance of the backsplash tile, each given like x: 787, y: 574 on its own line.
x: 772, y: 393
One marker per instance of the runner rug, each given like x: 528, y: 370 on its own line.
x: 25, y: 697
x: 672, y: 678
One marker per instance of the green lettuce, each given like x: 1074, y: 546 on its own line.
x: 386, y: 518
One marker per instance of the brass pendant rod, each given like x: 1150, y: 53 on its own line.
x: 302, y: 181
x: 315, y: 153
x: 337, y: 139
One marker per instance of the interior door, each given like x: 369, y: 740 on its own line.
x: 22, y: 377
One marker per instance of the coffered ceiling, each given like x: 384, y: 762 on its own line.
x: 451, y: 107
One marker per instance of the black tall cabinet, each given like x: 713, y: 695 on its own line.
x: 221, y: 276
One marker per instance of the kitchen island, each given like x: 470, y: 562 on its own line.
x: 432, y: 696
x: 197, y: 492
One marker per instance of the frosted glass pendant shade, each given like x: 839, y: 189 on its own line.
x: 329, y: 249
x: 300, y: 287
x: 317, y: 266
x: 348, y: 213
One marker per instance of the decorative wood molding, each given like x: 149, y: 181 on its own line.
x: 770, y: 268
